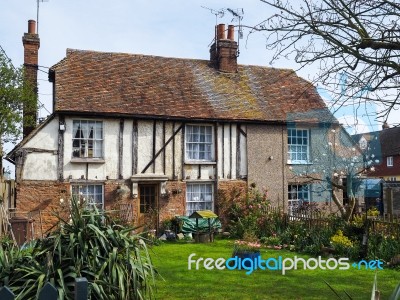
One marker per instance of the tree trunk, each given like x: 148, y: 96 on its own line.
x: 342, y: 209
x: 1, y: 159
x: 345, y: 212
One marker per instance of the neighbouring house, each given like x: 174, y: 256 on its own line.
x: 167, y: 135
x: 382, y: 148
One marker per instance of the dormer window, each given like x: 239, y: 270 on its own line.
x: 389, y: 161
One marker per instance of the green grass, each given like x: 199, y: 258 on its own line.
x: 171, y: 261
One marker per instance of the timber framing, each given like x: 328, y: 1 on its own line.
x: 60, y: 154
x: 155, y: 155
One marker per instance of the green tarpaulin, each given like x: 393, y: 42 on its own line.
x: 187, y: 224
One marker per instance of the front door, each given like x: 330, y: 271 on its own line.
x: 148, y: 206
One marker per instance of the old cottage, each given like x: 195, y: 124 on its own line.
x: 166, y: 134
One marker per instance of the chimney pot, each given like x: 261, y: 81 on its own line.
x: 221, y: 32
x: 223, y: 53
x: 231, y: 32
x: 32, y: 26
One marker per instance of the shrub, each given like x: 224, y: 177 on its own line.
x: 246, y: 212
x: 115, y: 261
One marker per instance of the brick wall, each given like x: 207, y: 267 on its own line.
x: 175, y: 202
x: 227, y: 191
x: 43, y: 196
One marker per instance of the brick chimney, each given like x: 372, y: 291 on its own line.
x: 31, y: 44
x: 223, y: 53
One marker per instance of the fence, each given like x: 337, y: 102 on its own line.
x: 7, y: 192
x: 49, y: 292
x: 385, y: 225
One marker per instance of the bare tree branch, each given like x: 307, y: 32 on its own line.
x: 354, y: 37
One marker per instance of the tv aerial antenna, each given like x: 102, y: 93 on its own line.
x: 237, y: 17
x: 37, y: 14
x: 218, y: 13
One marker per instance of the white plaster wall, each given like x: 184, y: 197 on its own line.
x: 40, y: 166
x: 46, y: 138
x: 219, y: 151
x: 159, y: 144
x: 145, y: 145
x: 97, y: 171
x: 127, y: 150
x: 233, y: 150
x: 168, y: 150
x: 111, y: 138
x: 227, y: 150
x: 178, y: 153
x: 243, y: 153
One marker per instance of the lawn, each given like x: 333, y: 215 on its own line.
x: 171, y: 261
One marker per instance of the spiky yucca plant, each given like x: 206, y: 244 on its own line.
x: 86, y: 244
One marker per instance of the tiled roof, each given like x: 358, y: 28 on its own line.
x: 389, y: 141
x: 140, y: 85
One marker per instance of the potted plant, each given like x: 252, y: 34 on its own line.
x: 247, y: 249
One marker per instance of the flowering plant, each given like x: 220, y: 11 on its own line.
x: 373, y: 212
x: 246, y: 246
x: 341, y: 240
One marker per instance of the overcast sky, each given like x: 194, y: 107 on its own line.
x: 173, y: 28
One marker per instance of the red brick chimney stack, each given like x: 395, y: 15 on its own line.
x: 223, y: 53
x: 31, y: 44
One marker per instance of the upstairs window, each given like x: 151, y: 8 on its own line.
x: 389, y: 161
x: 199, y: 143
x: 298, y: 146
x: 87, y: 139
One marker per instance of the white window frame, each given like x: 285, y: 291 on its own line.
x: 203, y: 196
x: 188, y: 142
x: 298, y: 146
x: 295, y: 193
x: 81, y: 144
x: 389, y: 161
x: 83, y: 193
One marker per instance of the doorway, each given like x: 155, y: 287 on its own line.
x: 148, y: 206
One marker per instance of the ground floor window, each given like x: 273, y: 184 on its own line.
x: 298, y: 194
x: 92, y: 194
x: 199, y: 196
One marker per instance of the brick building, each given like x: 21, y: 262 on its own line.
x: 167, y: 134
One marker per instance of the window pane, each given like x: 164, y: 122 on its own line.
x: 92, y: 194
x: 199, y: 196
x: 198, y: 142
x: 298, y: 145
x: 87, y: 138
